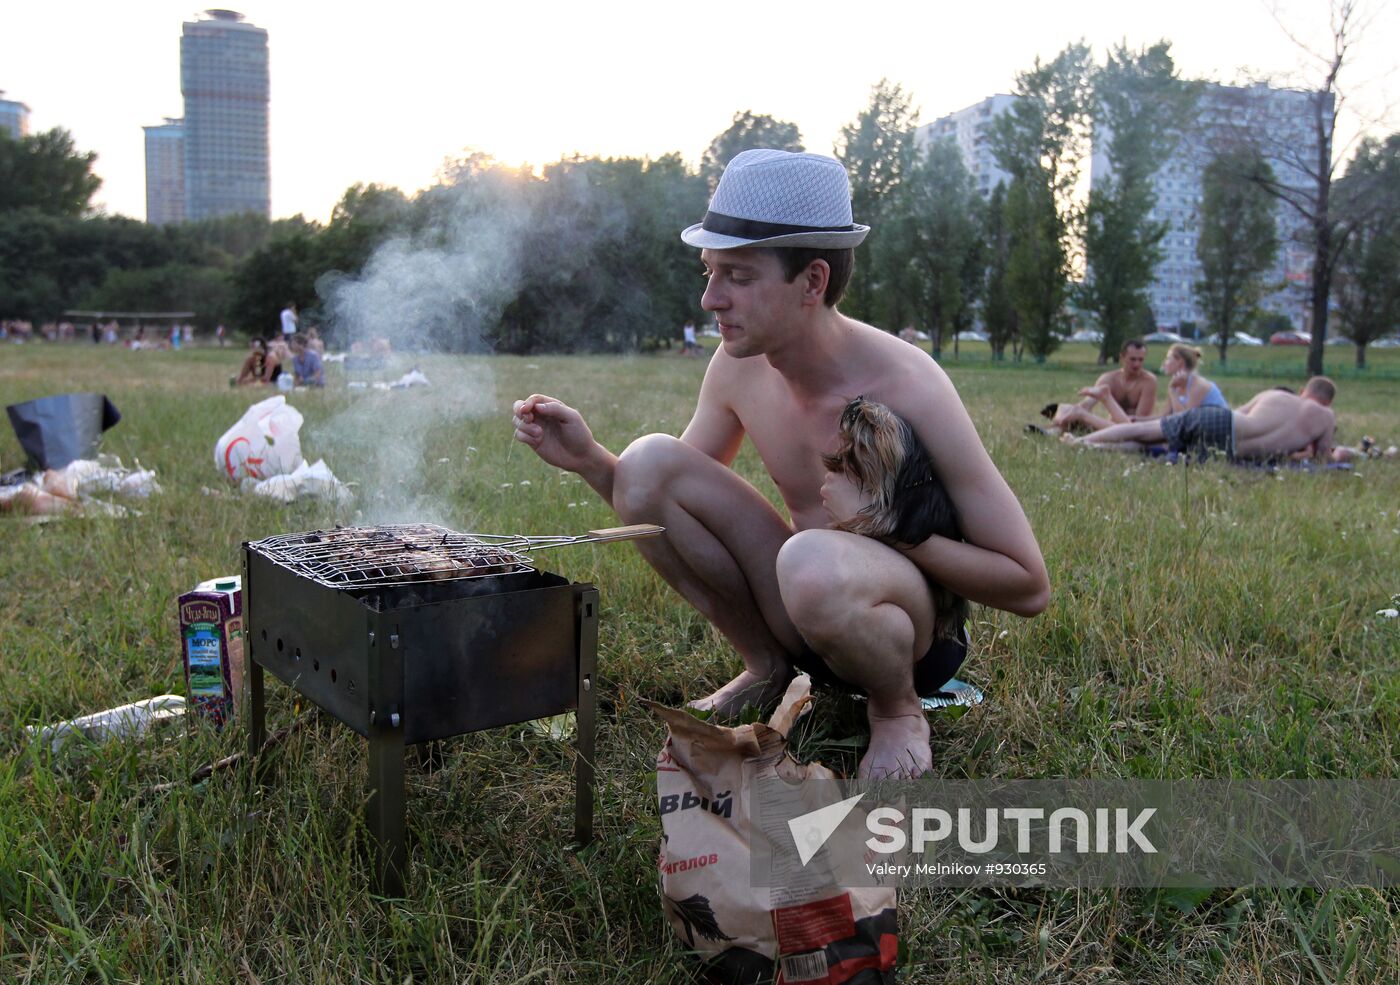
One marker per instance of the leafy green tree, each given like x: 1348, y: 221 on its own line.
x: 998, y: 314
x: 877, y: 149
x: 48, y: 263
x: 285, y: 269
x: 1303, y: 171
x: 222, y: 240
x: 207, y: 291
x: 1141, y: 108
x: 938, y: 229
x: 1238, y: 241
x: 606, y: 269
x: 749, y: 130
x: 1144, y: 323
x: 1368, y: 271
x: 365, y: 216
x: 1039, y: 141
x: 1037, y: 269
x: 45, y: 172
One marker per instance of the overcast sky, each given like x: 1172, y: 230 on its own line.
x: 387, y: 96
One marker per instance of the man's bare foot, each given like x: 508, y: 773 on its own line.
x: 746, y: 689
x: 899, y: 748
x: 1070, y: 439
x: 1068, y: 414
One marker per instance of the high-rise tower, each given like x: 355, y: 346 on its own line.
x: 165, y: 172
x: 14, y: 116
x: 224, y: 79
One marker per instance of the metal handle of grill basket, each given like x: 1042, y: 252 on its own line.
x: 632, y: 531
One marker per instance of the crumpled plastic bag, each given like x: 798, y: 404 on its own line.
x: 131, y: 720
x: 304, y: 482
x: 264, y: 442
x: 414, y: 377
x: 106, y: 474
x: 73, y: 488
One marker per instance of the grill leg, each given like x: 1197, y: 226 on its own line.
x: 384, y: 813
x: 586, y: 610
x: 257, y: 717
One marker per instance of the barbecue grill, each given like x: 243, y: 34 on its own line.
x: 413, y: 633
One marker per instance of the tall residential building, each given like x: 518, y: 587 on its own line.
x: 224, y: 79
x: 165, y: 172
x: 1280, y: 122
x: 969, y: 128
x: 14, y: 117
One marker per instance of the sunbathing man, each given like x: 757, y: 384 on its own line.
x: 1127, y: 393
x: 1275, y: 424
x: 777, y: 249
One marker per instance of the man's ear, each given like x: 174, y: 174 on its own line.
x: 815, y: 278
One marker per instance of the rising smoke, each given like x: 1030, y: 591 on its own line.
x: 421, y: 296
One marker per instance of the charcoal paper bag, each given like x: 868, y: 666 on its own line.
x: 818, y: 932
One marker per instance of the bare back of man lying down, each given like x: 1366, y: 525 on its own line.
x: 1274, y: 424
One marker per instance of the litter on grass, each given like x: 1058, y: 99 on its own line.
x: 304, y: 482
x: 133, y: 720
x: 75, y: 488
x: 262, y: 453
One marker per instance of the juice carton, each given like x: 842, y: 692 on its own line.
x: 211, y: 641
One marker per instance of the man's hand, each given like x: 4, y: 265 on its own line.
x: 555, y: 431
x: 842, y: 498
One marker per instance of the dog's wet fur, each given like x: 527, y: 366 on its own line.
x: 880, y: 453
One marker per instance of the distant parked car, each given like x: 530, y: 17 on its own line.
x: 1163, y: 337
x: 974, y: 336
x: 1338, y: 340
x: 1290, y: 338
x: 1239, y: 338
x: 1086, y: 335
x: 1391, y: 343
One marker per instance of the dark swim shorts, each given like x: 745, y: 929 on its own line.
x: 933, y: 670
x: 1200, y: 431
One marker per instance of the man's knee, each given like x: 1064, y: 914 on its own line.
x: 644, y: 474
x: 817, y: 582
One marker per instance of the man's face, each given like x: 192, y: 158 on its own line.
x: 749, y: 298
x: 1131, y: 360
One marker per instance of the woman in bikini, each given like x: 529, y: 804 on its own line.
x: 1188, y: 389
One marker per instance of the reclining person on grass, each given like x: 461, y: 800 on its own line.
x: 1128, y: 393
x: 777, y: 250
x: 1274, y: 425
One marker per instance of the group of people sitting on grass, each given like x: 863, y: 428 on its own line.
x: 299, y: 357
x: 1120, y: 411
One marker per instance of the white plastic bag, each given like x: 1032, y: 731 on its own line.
x: 305, y: 482
x: 263, y: 443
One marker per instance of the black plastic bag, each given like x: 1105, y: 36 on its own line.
x: 54, y: 431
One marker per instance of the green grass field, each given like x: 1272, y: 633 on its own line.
x: 1206, y: 622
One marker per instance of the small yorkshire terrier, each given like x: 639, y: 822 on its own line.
x: 882, y: 456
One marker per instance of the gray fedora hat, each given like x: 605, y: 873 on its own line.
x: 778, y: 198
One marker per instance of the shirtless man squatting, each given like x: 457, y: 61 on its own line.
x: 777, y: 248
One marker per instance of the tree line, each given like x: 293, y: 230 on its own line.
x: 585, y: 256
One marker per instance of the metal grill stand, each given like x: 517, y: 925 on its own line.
x: 408, y: 664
